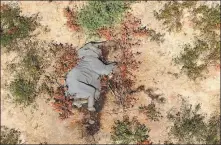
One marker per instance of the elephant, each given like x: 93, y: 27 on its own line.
x: 83, y: 81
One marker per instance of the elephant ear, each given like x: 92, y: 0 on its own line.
x: 90, y: 49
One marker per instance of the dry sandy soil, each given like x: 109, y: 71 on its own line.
x: 39, y: 123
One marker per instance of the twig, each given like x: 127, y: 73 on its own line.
x: 116, y: 96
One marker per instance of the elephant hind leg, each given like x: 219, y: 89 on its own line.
x: 97, y: 95
x: 91, y: 103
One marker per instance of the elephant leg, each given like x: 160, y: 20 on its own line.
x: 97, y: 95
x: 91, y: 103
x: 109, y: 68
x: 79, y: 102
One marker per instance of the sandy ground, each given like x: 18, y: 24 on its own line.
x: 39, y: 123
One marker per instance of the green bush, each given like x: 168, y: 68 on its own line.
x: 13, y: 25
x: 189, y: 126
x: 32, y: 64
x: 9, y: 136
x: 190, y: 57
x: 202, y: 50
x: 151, y: 112
x: 126, y: 131
x: 98, y: 14
x: 23, y: 90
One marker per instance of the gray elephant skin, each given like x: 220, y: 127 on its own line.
x: 83, y: 81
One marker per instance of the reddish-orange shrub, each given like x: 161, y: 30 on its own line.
x: 106, y: 33
x: 146, y: 142
x: 12, y: 30
x: 67, y: 60
x: 71, y: 20
x: 62, y: 104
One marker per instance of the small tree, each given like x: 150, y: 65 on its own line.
x: 126, y: 131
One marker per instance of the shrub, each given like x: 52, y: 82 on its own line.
x: 196, y: 58
x: 154, y: 36
x: 34, y: 57
x: 98, y: 14
x: 13, y: 25
x: 189, y: 126
x: 67, y: 61
x: 207, y: 19
x: 213, y: 130
x: 151, y: 112
x: 206, y: 49
x: 190, y: 57
x: 23, y: 90
x: 71, y: 19
x: 62, y: 104
x: 9, y: 136
x: 172, y: 13
x: 155, y: 96
x: 122, y: 81
x: 126, y: 131
x: 32, y: 64
x: 27, y: 68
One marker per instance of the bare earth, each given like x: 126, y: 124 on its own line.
x: 40, y: 123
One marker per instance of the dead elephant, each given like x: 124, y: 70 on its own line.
x: 83, y: 81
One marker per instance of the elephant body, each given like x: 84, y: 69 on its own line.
x: 83, y: 81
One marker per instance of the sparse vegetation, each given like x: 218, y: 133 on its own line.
x: 126, y: 131
x: 62, y: 104
x: 67, y: 60
x: 121, y: 82
x: 206, y: 48
x: 13, y: 25
x: 168, y: 142
x: 27, y: 71
x: 23, y: 90
x: 155, y: 96
x: 71, y: 16
x: 151, y: 112
x: 189, y: 126
x: 9, y: 136
x: 190, y: 59
x: 207, y: 19
x: 98, y: 14
x: 150, y: 33
x: 213, y: 130
x: 32, y: 64
x: 171, y: 14
x: 154, y: 36
x: 195, y: 59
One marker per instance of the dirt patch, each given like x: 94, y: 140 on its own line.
x: 40, y: 123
